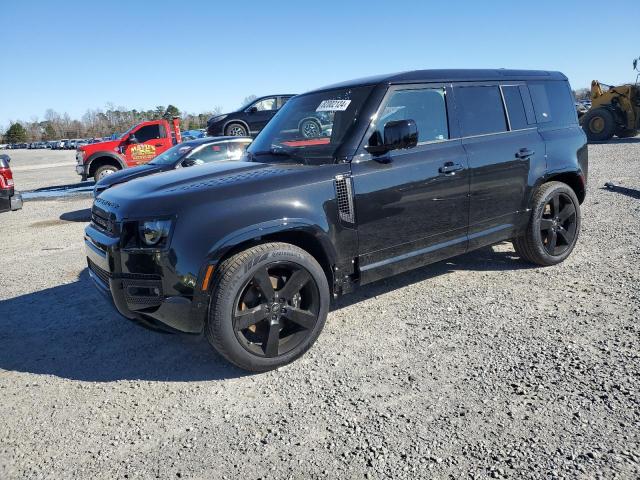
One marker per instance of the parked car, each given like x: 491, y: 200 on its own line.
x: 186, y: 154
x: 137, y: 146
x: 9, y: 198
x: 419, y: 167
x: 249, y: 120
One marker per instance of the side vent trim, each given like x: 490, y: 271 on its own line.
x: 344, y: 197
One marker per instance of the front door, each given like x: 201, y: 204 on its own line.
x: 150, y: 141
x: 260, y: 113
x: 411, y: 205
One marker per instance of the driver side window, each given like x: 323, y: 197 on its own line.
x: 208, y: 153
x: 266, y: 104
x: 426, y: 106
x: 149, y: 132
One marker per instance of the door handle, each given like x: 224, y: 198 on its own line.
x: 450, y: 168
x: 158, y: 144
x: 524, y: 153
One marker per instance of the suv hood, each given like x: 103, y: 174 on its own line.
x: 127, y: 174
x: 184, y: 187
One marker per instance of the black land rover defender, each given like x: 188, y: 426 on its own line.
x: 413, y: 168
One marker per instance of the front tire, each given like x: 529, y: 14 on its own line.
x: 235, y: 130
x: 310, y: 128
x: 104, y: 171
x: 553, y: 228
x: 626, y: 133
x: 598, y: 124
x: 268, y: 306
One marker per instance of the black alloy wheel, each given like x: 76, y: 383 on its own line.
x: 268, y: 306
x: 276, y: 310
x: 553, y: 227
x: 558, y: 224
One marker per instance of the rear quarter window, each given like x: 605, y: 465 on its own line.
x: 553, y: 104
x: 515, y: 107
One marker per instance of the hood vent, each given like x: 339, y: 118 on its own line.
x: 344, y: 197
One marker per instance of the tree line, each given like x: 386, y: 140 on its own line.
x: 98, y: 123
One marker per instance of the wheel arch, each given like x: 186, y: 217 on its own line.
x: 99, y: 159
x: 305, y: 235
x: 574, y: 179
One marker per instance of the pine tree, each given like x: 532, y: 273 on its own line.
x: 16, y: 134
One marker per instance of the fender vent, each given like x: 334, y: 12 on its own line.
x: 344, y: 197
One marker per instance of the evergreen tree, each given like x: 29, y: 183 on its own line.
x: 16, y: 134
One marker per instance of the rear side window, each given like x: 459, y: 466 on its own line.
x: 481, y: 110
x: 553, y: 103
x: 515, y: 107
x: 426, y: 106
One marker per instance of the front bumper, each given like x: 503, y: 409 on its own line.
x: 215, y: 129
x: 16, y: 202
x: 142, y: 297
x: 82, y: 171
x: 10, y: 200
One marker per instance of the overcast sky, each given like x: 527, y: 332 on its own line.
x: 75, y: 55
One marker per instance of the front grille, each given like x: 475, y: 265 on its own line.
x: 99, y: 272
x: 344, y: 196
x: 142, y: 292
x: 101, y: 220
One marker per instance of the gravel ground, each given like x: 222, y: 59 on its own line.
x: 478, y: 367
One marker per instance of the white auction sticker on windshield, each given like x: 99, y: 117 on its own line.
x: 333, y: 106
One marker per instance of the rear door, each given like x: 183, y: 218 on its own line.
x: 505, y: 153
x: 412, y: 205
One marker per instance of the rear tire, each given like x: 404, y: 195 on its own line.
x: 104, y: 171
x: 598, y: 124
x: 268, y: 306
x: 553, y: 228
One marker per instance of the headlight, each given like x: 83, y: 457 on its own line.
x: 155, y: 232
x: 217, y: 119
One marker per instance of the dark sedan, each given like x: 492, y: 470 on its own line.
x: 186, y: 154
x: 250, y: 119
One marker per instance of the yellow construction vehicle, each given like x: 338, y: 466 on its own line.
x: 614, y: 111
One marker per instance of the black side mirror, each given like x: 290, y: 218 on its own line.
x: 252, y: 109
x: 398, y: 134
x: 133, y: 139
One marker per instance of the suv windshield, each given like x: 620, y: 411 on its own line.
x: 172, y: 155
x: 310, y: 126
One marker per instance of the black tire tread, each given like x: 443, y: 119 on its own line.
x: 228, y: 127
x: 221, y: 280
x: 525, y: 245
x: 610, y: 124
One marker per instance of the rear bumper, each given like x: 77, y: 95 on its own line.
x: 136, y: 296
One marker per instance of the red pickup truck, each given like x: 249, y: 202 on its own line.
x: 136, y: 146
